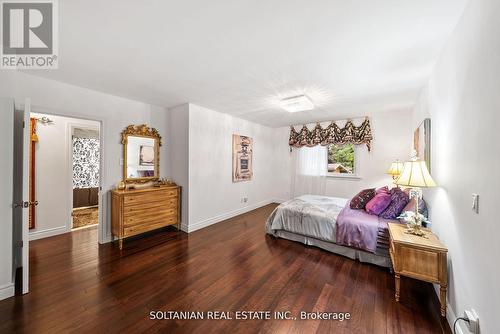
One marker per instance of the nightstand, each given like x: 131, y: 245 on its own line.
x: 420, y: 258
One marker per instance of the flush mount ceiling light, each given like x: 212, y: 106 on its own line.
x: 297, y: 103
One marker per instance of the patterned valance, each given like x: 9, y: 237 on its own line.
x: 332, y: 134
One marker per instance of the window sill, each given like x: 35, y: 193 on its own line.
x: 344, y: 176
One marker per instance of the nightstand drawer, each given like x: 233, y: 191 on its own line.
x: 420, y: 264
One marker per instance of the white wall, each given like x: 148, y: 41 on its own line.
x: 6, y: 167
x: 115, y: 113
x: 391, y: 130
x: 212, y: 194
x: 54, y: 175
x: 179, y: 158
x: 462, y: 98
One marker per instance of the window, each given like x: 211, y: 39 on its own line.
x: 341, y: 160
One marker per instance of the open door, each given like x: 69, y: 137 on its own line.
x: 21, y: 202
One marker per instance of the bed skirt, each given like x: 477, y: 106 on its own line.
x: 351, y: 253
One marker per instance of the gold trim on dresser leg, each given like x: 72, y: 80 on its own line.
x: 398, y: 286
x: 120, y: 243
x: 443, y: 300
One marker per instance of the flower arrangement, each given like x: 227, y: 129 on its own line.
x: 414, y: 221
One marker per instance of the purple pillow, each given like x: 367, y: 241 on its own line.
x: 399, y: 199
x: 364, y: 196
x: 380, y: 202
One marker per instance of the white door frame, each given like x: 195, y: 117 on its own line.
x: 101, y: 233
x: 25, y: 184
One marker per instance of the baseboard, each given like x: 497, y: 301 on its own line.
x: 48, y: 232
x: 210, y: 221
x: 6, y: 291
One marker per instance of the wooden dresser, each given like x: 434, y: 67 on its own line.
x: 420, y: 258
x: 137, y: 211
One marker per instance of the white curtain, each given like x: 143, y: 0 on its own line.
x: 309, y: 169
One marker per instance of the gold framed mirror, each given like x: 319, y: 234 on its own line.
x: 141, y: 154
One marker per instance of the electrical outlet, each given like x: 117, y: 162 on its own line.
x: 473, y: 323
x: 244, y: 199
x: 475, y: 203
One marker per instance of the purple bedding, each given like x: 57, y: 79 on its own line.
x: 358, y: 229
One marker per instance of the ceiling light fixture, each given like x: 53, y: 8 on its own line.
x: 297, y: 103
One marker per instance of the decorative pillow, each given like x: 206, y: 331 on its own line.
x: 399, y: 199
x: 379, y: 202
x: 364, y: 196
x: 422, y: 207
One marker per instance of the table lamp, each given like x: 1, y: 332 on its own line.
x: 415, y: 175
x: 395, y: 169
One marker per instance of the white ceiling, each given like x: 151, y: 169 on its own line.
x: 240, y: 57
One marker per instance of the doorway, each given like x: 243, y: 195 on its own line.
x: 85, y: 161
x: 64, y: 175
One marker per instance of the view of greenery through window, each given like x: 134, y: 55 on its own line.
x: 341, y: 158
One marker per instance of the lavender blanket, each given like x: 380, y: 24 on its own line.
x: 358, y: 229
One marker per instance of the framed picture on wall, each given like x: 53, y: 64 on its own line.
x: 242, y: 158
x: 422, y: 142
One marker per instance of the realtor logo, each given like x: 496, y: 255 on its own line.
x: 29, y: 38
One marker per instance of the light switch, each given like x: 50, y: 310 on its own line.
x: 475, y: 203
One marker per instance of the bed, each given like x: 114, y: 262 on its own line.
x: 329, y: 223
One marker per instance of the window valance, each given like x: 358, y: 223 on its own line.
x: 333, y: 134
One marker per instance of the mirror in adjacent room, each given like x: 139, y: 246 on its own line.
x: 141, y: 154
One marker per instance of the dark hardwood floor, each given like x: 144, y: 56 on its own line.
x: 78, y: 286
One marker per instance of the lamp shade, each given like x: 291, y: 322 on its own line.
x: 415, y: 174
x: 396, y: 168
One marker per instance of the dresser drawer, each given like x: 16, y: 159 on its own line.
x: 149, y: 225
x: 154, y: 206
x: 155, y: 196
x: 144, y: 218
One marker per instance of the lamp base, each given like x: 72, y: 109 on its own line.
x: 415, y: 229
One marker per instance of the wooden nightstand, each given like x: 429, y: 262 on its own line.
x: 420, y: 258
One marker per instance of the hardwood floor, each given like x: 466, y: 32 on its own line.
x: 78, y: 286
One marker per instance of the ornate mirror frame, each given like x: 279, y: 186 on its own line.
x: 141, y: 131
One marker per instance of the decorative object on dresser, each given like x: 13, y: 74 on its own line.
x: 420, y: 258
x: 416, y: 175
x: 142, y: 210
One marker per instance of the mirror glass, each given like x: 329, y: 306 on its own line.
x: 141, y: 157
